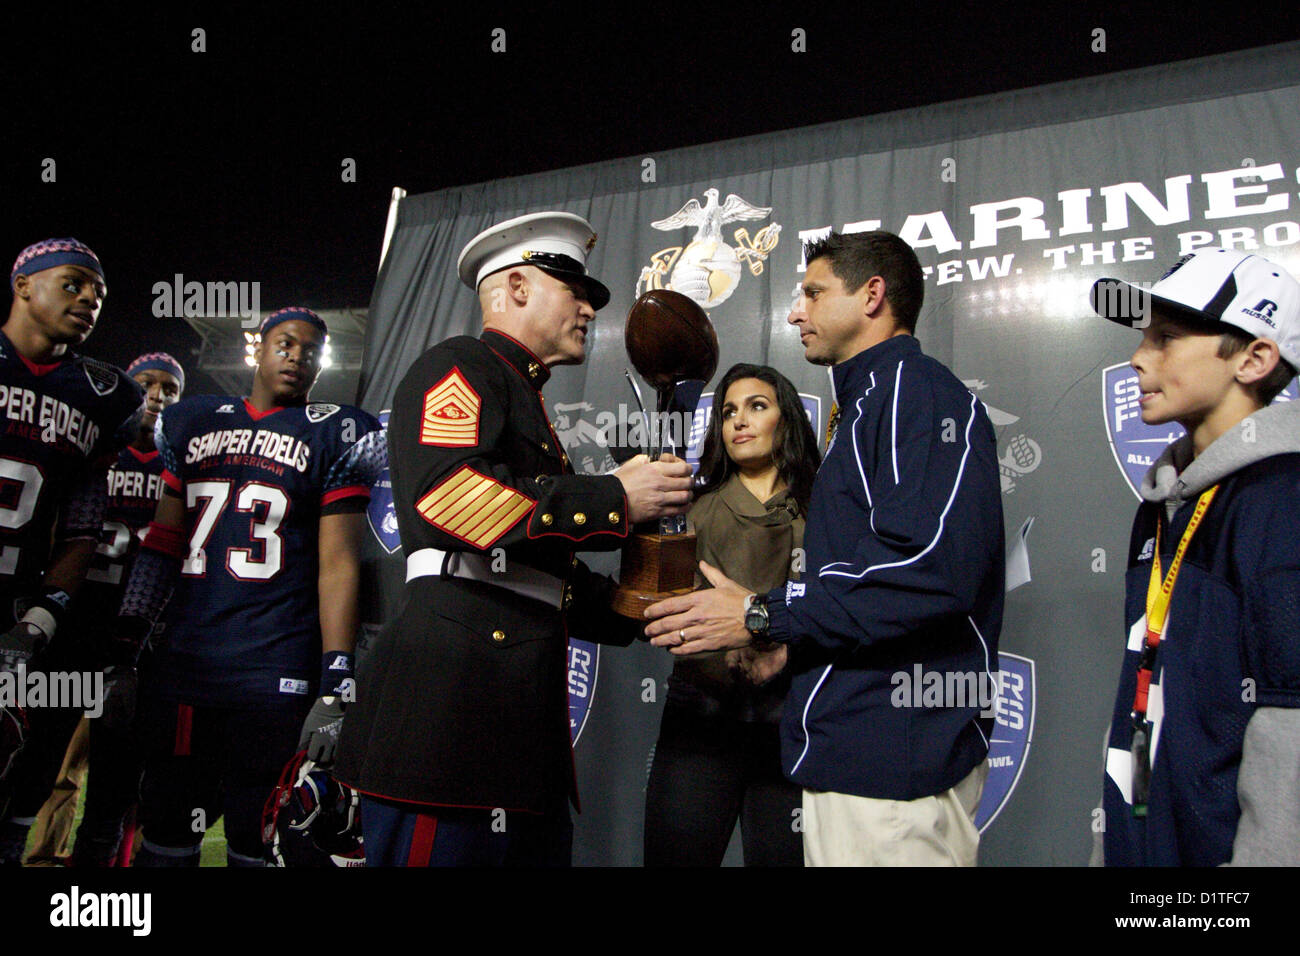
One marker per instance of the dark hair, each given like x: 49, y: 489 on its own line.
x: 858, y: 256
x: 794, y: 446
x: 1234, y: 341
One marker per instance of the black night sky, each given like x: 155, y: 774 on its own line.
x: 226, y: 165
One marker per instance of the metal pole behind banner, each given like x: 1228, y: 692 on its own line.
x: 398, y: 195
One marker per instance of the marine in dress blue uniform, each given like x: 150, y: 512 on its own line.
x: 460, y: 739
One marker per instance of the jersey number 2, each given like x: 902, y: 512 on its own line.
x: 20, y: 512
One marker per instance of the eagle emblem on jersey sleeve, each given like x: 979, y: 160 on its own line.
x: 101, y: 376
x: 319, y: 411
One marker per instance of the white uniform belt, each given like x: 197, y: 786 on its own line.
x: 471, y: 566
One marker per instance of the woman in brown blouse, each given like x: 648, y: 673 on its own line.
x: 717, y: 759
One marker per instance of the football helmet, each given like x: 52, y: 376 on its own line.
x: 311, y: 819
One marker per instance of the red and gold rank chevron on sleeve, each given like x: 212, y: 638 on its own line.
x: 451, y: 413
x: 473, y: 507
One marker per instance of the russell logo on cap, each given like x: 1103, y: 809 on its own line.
x: 1263, y: 311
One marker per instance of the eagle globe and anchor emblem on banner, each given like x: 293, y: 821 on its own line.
x: 1134, y: 444
x: 707, y: 270
x: 584, y: 656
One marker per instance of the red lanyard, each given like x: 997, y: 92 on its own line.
x: 1159, y: 591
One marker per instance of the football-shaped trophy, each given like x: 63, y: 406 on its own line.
x: 673, y: 346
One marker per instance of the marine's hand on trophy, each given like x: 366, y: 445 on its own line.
x: 655, y: 489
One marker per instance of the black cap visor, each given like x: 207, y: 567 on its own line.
x: 1131, y: 306
x: 566, y: 269
x: 597, y: 294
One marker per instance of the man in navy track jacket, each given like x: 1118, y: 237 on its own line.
x: 893, y: 629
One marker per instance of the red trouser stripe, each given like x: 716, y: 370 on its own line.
x: 123, y: 857
x: 426, y: 826
x: 184, y: 727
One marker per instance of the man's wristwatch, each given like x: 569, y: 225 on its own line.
x: 756, y: 619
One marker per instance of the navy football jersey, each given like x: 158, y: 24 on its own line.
x: 135, y: 484
x: 58, y: 423
x: 243, y: 623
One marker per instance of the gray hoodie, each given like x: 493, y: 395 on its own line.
x: 1268, y: 781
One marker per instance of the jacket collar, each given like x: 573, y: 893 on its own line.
x: 737, y: 497
x: 532, y: 369
x: 851, y: 375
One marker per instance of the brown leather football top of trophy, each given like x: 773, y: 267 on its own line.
x: 670, y: 339
x: 673, y: 346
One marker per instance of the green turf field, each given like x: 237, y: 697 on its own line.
x: 214, y: 840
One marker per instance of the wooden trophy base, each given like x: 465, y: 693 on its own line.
x: 654, y: 567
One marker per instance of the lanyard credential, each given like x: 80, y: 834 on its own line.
x: 1160, y: 589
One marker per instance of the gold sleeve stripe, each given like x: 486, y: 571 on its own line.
x: 451, y: 413
x: 506, y: 515
x: 456, y: 494
x: 473, y: 507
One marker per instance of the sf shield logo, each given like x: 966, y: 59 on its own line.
x: 1013, y: 732
x: 380, y: 512
x: 584, y: 657
x: 1136, y: 445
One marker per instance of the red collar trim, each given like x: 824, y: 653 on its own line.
x: 143, y: 457
x: 35, y: 368
x: 521, y: 365
x: 256, y: 414
x: 511, y: 338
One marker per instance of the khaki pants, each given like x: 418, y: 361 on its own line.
x: 52, y: 832
x: 843, y: 830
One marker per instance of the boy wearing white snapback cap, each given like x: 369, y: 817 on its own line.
x: 1203, y: 755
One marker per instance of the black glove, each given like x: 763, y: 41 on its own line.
x: 320, y: 731
x: 120, y: 686
x: 19, y: 644
x: 128, y: 637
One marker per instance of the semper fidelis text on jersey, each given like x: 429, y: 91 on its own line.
x: 463, y: 699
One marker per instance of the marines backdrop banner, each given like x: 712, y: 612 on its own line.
x: 1015, y: 204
